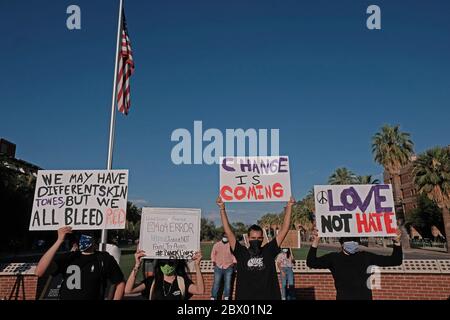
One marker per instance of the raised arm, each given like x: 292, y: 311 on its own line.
x: 395, y: 259
x: 199, y: 286
x: 226, y: 224
x: 129, y: 286
x: 286, y: 223
x: 312, y: 261
x: 48, y: 257
x: 118, y: 293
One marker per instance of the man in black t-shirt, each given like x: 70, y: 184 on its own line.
x: 350, y: 267
x: 256, y: 271
x: 85, y: 272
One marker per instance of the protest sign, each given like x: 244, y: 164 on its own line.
x: 168, y: 233
x: 83, y: 200
x: 292, y: 240
x: 355, y: 211
x: 255, y: 179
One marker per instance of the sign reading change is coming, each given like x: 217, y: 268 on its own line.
x: 255, y: 179
x: 83, y: 200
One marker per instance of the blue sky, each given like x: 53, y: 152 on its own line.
x: 309, y: 68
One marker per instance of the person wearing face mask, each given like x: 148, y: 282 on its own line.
x: 169, y: 282
x: 224, y: 262
x: 85, y: 271
x: 256, y: 271
x: 350, y: 266
x: 285, y: 263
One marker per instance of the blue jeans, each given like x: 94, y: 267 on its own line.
x: 287, y: 284
x: 218, y: 275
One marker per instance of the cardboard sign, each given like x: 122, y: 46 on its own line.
x: 83, y: 200
x: 255, y: 179
x: 168, y: 233
x: 355, y: 211
x: 292, y: 240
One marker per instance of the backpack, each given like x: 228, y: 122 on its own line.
x: 181, y: 286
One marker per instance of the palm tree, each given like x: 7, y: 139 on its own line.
x: 342, y: 176
x: 432, y: 178
x: 268, y: 220
x: 366, y: 180
x: 392, y: 149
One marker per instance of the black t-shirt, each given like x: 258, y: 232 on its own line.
x: 168, y: 291
x: 256, y: 275
x: 85, y: 276
x: 350, y: 272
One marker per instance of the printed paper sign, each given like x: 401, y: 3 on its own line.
x: 168, y: 233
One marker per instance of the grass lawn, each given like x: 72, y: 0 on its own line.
x: 127, y: 258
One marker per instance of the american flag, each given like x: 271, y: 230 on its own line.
x: 126, y: 69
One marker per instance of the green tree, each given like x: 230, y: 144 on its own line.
x: 432, y: 178
x: 366, y: 180
x: 208, y: 230
x: 268, y: 220
x: 426, y: 214
x: 342, y: 176
x: 303, y: 211
x: 239, y: 228
x: 17, y: 184
x: 393, y: 149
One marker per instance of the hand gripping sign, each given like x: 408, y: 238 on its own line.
x: 355, y: 211
x: 168, y: 233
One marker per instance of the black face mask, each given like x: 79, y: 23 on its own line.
x: 255, y: 247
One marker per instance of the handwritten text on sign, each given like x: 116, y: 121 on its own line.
x: 170, y: 233
x: 255, y: 179
x: 83, y: 200
x: 355, y: 211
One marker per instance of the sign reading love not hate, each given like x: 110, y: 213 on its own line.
x: 83, y: 200
x: 255, y: 179
x: 168, y: 233
x: 355, y: 211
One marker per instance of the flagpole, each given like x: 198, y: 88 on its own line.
x: 113, y: 116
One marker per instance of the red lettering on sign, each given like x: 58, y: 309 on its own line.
x: 258, y: 192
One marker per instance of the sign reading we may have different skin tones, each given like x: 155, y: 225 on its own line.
x: 355, y: 211
x: 83, y: 200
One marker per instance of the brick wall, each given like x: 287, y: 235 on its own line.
x: 414, y: 280
x: 320, y: 286
x: 8, y: 285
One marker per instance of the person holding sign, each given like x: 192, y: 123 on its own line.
x: 85, y: 271
x: 350, y: 267
x: 170, y: 280
x: 256, y: 271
